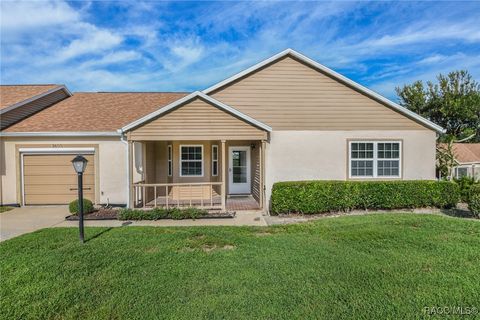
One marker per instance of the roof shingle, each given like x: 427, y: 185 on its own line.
x: 11, y: 94
x: 95, y: 111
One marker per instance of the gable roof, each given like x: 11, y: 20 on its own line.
x: 292, y: 53
x: 466, y: 152
x: 94, y: 112
x: 14, y: 96
x: 186, y: 99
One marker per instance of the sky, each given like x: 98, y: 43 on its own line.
x: 187, y: 46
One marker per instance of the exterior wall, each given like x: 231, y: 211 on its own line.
x: 197, y: 120
x: 111, y: 165
x: 10, y: 117
x: 323, y: 155
x: 288, y: 95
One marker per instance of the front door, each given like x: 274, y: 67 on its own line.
x: 239, y: 170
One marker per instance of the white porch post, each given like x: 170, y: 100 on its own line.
x: 262, y: 175
x: 130, y: 174
x: 224, y: 177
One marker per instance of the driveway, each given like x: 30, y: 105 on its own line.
x: 28, y: 219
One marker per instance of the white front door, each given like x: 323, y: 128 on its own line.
x: 239, y: 170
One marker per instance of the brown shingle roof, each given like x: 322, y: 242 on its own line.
x: 466, y: 152
x: 95, y: 111
x: 11, y: 94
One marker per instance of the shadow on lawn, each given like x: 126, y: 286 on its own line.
x: 458, y: 212
x: 98, y: 234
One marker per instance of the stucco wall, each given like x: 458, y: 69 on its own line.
x: 322, y: 155
x: 112, y: 180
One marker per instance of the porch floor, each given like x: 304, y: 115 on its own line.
x: 233, y: 203
x: 247, y: 202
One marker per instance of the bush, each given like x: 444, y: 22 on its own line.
x: 466, y: 183
x: 160, y: 213
x: 87, y: 206
x: 474, y: 204
x: 309, y: 197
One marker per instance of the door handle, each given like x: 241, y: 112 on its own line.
x: 229, y: 169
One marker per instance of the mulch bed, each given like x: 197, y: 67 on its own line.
x: 99, y: 214
x: 112, y: 214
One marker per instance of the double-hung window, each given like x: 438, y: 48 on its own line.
x: 374, y: 159
x: 170, y: 163
x: 191, y: 160
x: 214, y: 160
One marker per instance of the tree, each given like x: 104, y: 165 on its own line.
x: 453, y: 103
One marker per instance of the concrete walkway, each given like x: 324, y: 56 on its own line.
x: 28, y: 219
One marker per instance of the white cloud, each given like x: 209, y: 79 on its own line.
x: 94, y: 41
x: 31, y: 15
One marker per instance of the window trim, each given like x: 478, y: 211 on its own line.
x: 180, y: 160
x: 169, y: 160
x: 214, y: 161
x: 375, y: 159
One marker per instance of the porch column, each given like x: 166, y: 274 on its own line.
x: 130, y: 174
x: 262, y: 175
x: 224, y: 177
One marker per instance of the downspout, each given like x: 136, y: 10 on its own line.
x: 123, y: 139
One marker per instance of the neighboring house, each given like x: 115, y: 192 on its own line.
x: 20, y: 101
x: 467, y: 158
x: 285, y: 118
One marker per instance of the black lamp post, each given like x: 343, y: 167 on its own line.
x: 79, y: 164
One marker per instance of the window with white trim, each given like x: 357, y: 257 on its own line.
x: 375, y: 159
x: 170, y: 163
x: 191, y: 161
x: 214, y: 160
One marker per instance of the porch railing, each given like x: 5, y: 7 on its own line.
x: 200, y: 194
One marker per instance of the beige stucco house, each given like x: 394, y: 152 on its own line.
x: 285, y: 118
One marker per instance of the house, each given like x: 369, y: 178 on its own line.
x: 467, y: 159
x: 285, y: 118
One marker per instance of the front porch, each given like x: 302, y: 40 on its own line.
x: 197, y: 152
x: 214, y: 175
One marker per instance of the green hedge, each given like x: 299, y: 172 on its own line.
x: 87, y: 206
x: 309, y: 197
x: 467, y: 185
x: 159, y: 213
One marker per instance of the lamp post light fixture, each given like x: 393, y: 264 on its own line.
x: 80, y: 164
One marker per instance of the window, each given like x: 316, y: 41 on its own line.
x: 191, y: 161
x: 371, y: 159
x: 461, y: 172
x: 170, y: 164
x: 214, y: 160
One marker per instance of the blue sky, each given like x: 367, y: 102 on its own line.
x: 186, y: 46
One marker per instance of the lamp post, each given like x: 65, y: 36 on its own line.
x: 79, y: 164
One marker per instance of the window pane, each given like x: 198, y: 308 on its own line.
x: 362, y: 168
x: 361, y: 150
x: 388, y: 168
x: 388, y: 150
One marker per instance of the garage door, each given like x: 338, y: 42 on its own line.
x: 51, y: 179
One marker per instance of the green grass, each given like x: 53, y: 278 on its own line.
x: 5, y: 209
x: 364, y: 267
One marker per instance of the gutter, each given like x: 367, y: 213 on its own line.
x: 123, y: 140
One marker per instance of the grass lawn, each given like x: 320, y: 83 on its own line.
x: 364, y: 267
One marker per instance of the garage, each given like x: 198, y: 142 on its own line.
x: 49, y: 178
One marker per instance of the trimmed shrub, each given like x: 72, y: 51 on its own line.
x: 309, y: 197
x: 474, y: 204
x: 160, y: 213
x: 87, y: 206
x: 466, y: 184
